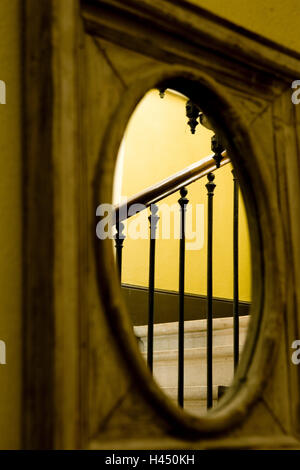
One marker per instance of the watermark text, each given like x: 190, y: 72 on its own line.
x: 296, y: 354
x: 135, y: 223
x: 2, y: 92
x: 2, y: 352
x: 296, y: 94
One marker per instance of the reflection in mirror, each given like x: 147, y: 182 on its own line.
x: 182, y: 249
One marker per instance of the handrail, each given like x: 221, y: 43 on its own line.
x: 170, y: 185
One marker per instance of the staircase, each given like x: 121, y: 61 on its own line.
x: 165, y: 358
x: 189, y: 336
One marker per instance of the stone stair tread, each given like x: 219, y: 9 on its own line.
x: 193, y: 353
x: 165, y: 358
x: 194, y: 326
x: 166, y: 334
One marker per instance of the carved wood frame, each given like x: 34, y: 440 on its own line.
x: 75, y: 321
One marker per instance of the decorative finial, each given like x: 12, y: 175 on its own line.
x: 183, y: 201
x: 192, y: 112
x: 162, y: 92
x: 183, y: 192
x: 217, y: 148
x: 210, y: 186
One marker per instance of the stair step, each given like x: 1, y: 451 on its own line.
x: 165, y: 366
x: 166, y: 334
x: 165, y: 358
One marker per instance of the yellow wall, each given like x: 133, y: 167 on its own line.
x: 277, y: 20
x: 158, y: 143
x: 11, y: 228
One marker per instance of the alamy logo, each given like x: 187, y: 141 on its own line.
x: 138, y: 227
x: 2, y: 101
x: 2, y: 92
x: 296, y: 354
x: 2, y: 352
x: 296, y: 93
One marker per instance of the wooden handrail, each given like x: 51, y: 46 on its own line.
x: 170, y: 185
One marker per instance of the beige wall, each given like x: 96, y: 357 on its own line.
x: 11, y: 224
x: 158, y: 143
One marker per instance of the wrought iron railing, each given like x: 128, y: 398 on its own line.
x: 149, y: 198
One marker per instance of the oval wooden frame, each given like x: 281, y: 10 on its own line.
x: 266, y: 242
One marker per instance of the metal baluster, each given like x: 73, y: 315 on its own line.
x: 235, y: 270
x: 119, y: 237
x: 153, y: 219
x: 210, y: 186
x: 183, y: 201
